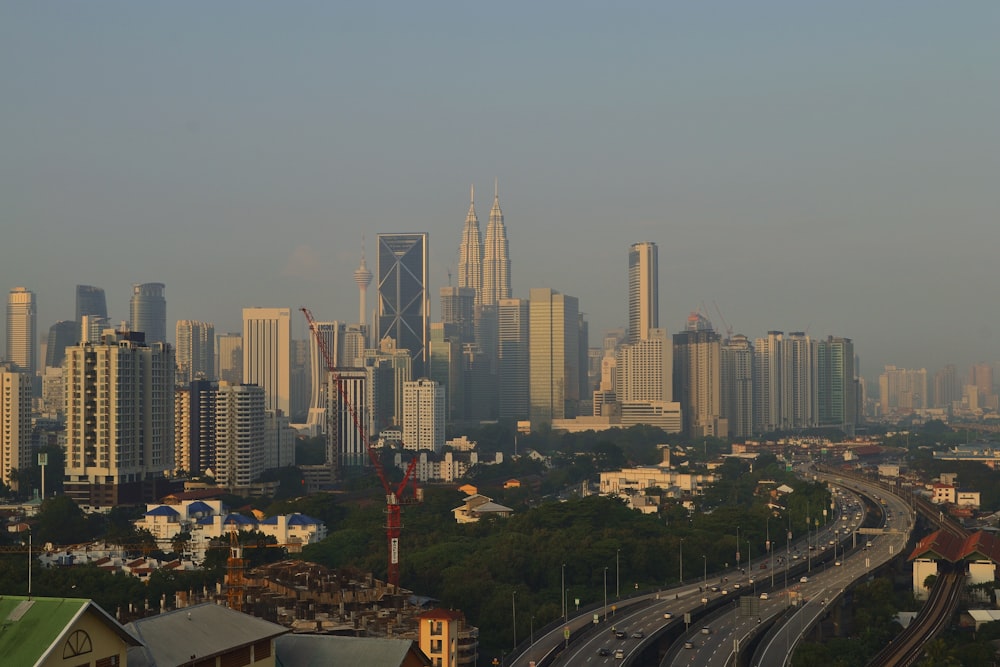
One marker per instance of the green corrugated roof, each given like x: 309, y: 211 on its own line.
x: 24, y: 641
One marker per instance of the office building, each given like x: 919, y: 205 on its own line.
x: 300, y: 382
x: 229, y: 358
x: 836, y: 387
x: 91, y: 328
x: 403, y: 303
x: 332, y: 334
x: 981, y: 377
x: 267, y: 355
x: 346, y: 444
x: 90, y: 300
x: 279, y: 441
x: 458, y: 307
x: 767, y: 394
x: 62, y: 334
x: 643, y: 290
x: 119, y: 419
x: 946, y: 389
x: 698, y: 381
x: 553, y: 356
x: 447, y: 367
x: 470, y: 254
x: 53, y: 394
x: 239, y: 434
x: 902, y: 390
x: 195, y: 351
x: 513, y: 358
x: 423, y: 415
x: 736, y: 378
x: 22, y: 332
x: 645, y: 369
x: 496, y: 257
x: 16, y: 452
x: 148, y: 311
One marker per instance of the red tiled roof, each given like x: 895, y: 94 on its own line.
x: 945, y: 546
x: 443, y: 614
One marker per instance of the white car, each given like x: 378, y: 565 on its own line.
x: 804, y: 580
x: 763, y: 596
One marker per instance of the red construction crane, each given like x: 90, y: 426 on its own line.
x: 393, y: 522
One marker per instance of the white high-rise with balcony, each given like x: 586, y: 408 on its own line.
x: 267, y: 354
x: 22, y: 331
x: 424, y: 413
x: 643, y: 290
x: 239, y: 434
x: 15, y: 423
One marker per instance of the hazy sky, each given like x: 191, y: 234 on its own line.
x: 829, y: 167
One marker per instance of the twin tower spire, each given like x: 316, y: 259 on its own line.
x: 485, y: 265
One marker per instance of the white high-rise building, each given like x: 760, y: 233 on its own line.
x: 767, y: 396
x: 15, y: 423
x: 424, y: 413
x: 195, y: 351
x: 799, y: 400
x: 119, y: 419
x: 643, y: 290
x: 737, y: 385
x: 645, y: 369
x: 22, y: 330
x: 554, y: 362
x: 346, y: 445
x: 267, y: 354
x: 239, y: 434
x: 496, y: 256
x: 333, y: 336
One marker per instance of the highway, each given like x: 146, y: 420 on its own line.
x: 597, y: 644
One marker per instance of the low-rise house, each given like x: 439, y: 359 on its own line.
x: 478, y: 506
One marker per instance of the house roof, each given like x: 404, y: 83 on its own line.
x: 443, y: 614
x: 163, y: 510
x: 491, y: 507
x: 33, y: 627
x: 980, y: 545
x: 198, y: 507
x: 195, y: 633
x: 323, y: 650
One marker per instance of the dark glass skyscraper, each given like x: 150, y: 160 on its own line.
x: 61, y: 335
x: 403, y: 304
x: 148, y: 311
x: 90, y: 301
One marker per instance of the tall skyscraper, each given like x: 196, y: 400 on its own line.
x: 267, y: 355
x: 148, y: 311
x: 403, y: 302
x: 446, y: 366
x: 496, y: 258
x: 798, y: 397
x: 16, y: 452
x: 423, y: 415
x: 62, y: 334
x: 643, y: 290
x: 195, y: 351
x: 767, y: 383
x: 362, y: 278
x: 698, y: 381
x: 239, y: 434
x: 554, y: 356
x: 119, y: 419
x: 346, y: 446
x: 513, y: 354
x: 946, y: 389
x: 90, y: 300
x: 194, y: 427
x: 737, y: 386
x: 470, y: 253
x: 981, y: 376
x: 22, y: 333
x: 902, y: 390
x: 229, y: 358
x: 836, y: 387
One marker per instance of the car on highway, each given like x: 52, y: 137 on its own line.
x: 604, y: 651
x: 714, y: 589
x: 836, y: 563
x: 804, y: 580
x: 706, y: 630
x: 736, y: 585
x: 763, y: 596
x: 668, y: 615
x: 638, y: 634
x: 688, y: 644
x: 619, y: 654
x: 620, y: 634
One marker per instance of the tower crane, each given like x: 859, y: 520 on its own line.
x: 393, y: 495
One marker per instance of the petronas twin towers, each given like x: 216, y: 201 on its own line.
x: 485, y: 265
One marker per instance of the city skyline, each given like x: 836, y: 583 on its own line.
x: 804, y: 170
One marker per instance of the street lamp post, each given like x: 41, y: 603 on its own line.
x: 680, y: 569
x: 704, y: 559
x: 605, y: 592
x: 564, y: 592
x: 618, y: 592
x: 513, y: 616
